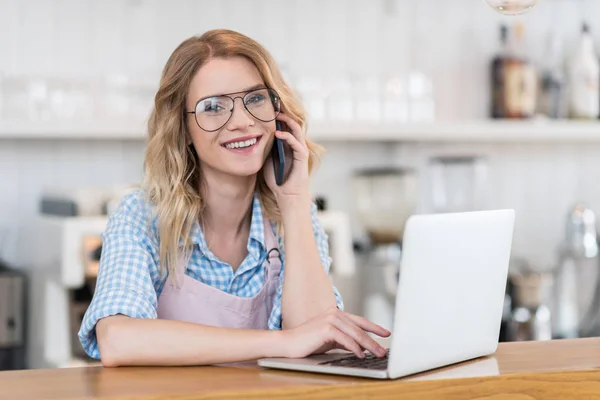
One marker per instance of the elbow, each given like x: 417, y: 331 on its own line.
x: 110, y: 359
x: 109, y: 334
x: 109, y: 362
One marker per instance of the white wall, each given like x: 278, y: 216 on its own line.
x: 449, y: 41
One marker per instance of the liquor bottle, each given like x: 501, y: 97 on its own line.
x: 520, y: 79
x: 513, y: 77
x: 552, y: 100
x: 498, y: 66
x: 584, y: 77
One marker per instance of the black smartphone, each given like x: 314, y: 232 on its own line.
x: 281, y: 155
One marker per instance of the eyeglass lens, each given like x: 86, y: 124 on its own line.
x: 213, y: 113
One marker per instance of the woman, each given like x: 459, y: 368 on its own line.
x: 191, y: 271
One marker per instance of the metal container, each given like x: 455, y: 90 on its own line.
x: 577, y: 277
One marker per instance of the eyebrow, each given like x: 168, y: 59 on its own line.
x: 253, y: 87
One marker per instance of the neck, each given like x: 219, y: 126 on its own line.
x: 228, y: 201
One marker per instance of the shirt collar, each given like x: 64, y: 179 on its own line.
x: 257, y: 227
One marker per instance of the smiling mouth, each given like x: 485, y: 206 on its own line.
x: 242, y: 145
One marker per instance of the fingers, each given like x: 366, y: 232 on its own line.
x: 296, y: 129
x: 347, y: 326
x: 347, y: 342
x: 300, y: 151
x: 367, y: 325
x: 336, y: 345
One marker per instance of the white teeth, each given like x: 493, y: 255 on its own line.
x: 242, y: 144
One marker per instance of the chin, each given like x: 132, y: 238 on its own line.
x: 245, y: 171
x: 239, y: 165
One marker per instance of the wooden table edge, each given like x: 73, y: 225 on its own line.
x: 584, y: 384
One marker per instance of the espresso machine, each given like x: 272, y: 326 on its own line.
x: 385, y: 198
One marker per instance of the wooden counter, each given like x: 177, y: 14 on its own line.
x: 563, y: 369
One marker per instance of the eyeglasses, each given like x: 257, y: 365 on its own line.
x: 212, y: 113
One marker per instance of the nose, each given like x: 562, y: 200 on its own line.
x: 240, y: 118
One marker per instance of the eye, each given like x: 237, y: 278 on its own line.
x: 208, y: 107
x: 255, y: 98
x: 214, y: 105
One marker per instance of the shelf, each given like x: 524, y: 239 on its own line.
x: 72, y: 131
x: 483, y: 131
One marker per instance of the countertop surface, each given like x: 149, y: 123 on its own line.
x: 557, y: 369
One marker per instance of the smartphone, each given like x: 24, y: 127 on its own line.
x: 282, y: 156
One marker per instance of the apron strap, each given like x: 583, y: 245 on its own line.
x: 273, y: 255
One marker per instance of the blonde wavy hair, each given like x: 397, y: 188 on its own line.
x: 172, y: 170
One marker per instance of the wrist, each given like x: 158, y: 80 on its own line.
x: 294, y: 205
x: 277, y: 346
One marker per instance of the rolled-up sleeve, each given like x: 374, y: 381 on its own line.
x: 322, y: 242
x: 125, y: 276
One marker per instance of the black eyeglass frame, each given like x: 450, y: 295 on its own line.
x: 228, y: 95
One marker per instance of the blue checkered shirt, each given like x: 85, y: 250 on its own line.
x: 129, y: 281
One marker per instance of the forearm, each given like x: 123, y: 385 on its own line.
x: 131, y: 341
x: 307, y: 290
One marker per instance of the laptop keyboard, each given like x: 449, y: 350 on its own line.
x: 369, y: 362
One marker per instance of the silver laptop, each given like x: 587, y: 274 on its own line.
x: 449, y: 301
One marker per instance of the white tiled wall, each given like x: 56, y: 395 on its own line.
x: 449, y: 41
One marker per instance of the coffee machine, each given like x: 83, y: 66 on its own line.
x: 385, y: 198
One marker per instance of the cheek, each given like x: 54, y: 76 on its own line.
x: 269, y: 135
x: 269, y: 129
x: 203, y: 142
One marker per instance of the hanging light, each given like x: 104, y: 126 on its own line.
x: 512, y: 7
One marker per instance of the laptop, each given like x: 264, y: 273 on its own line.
x: 449, y: 301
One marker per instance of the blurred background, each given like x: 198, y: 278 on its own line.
x: 423, y: 106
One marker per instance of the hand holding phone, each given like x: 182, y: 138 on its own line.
x: 282, y: 156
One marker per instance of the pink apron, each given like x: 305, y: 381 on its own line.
x: 197, y: 302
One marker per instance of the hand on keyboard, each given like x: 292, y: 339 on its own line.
x: 334, y: 329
